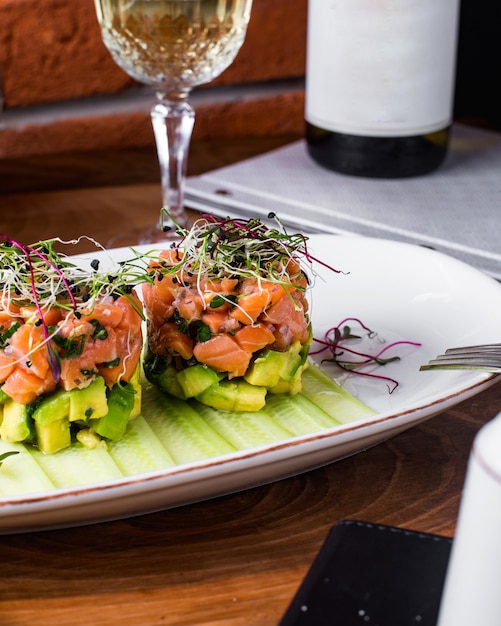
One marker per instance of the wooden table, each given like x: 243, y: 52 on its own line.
x: 236, y: 560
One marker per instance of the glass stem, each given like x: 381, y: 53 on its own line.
x: 172, y: 118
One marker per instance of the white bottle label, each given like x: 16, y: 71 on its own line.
x: 381, y: 67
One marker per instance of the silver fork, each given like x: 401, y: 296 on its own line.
x: 485, y: 357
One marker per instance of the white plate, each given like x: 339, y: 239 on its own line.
x: 399, y: 290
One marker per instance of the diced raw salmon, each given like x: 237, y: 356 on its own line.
x: 24, y: 387
x: 225, y: 285
x: 275, y: 291
x: 7, y: 320
x: 168, y: 339
x: 250, y: 306
x: 130, y: 348
x: 255, y: 337
x: 9, y: 307
x: 7, y: 365
x: 106, y: 338
x: 223, y: 354
x: 28, y: 348
x: 288, y: 318
x: 160, y: 309
x: 50, y: 316
x: 216, y: 321
x: 189, y: 305
x: 107, y: 313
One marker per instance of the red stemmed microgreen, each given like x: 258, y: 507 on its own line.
x: 335, y: 343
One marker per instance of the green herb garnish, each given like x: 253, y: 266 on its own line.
x: 6, y: 455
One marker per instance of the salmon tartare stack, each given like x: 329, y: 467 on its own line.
x: 227, y: 314
x: 70, y: 348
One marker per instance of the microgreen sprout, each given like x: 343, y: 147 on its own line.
x: 352, y: 360
x: 38, y: 274
x: 241, y: 248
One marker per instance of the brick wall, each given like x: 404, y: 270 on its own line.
x: 63, y: 91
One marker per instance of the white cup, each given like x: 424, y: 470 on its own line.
x: 472, y: 591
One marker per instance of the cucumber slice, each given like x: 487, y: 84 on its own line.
x: 331, y: 397
x: 298, y: 414
x: 171, y: 431
x: 20, y: 474
x: 184, y: 433
x: 244, y: 429
x: 139, y: 450
x: 77, y: 465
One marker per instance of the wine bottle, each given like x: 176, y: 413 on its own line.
x: 380, y: 79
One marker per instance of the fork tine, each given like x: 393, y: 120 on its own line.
x: 482, y: 357
x: 491, y: 348
x: 438, y: 364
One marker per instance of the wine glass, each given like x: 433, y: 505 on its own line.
x: 173, y: 46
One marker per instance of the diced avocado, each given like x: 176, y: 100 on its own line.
x: 265, y: 370
x: 89, y: 439
x: 135, y: 382
x: 89, y: 402
x: 120, y: 405
x: 197, y: 378
x: 54, y: 435
x: 16, y: 423
x: 48, y: 421
x: 272, y: 366
x: 163, y: 375
x: 168, y: 382
x: 238, y: 395
x: 3, y: 396
x: 305, y: 348
x: 292, y: 386
x: 53, y: 408
x: 292, y: 364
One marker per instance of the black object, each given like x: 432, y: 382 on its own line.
x: 478, y: 61
x: 372, y: 575
x: 377, y: 157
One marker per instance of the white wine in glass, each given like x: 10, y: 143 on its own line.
x: 173, y: 46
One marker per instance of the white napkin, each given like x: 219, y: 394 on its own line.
x: 456, y: 210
